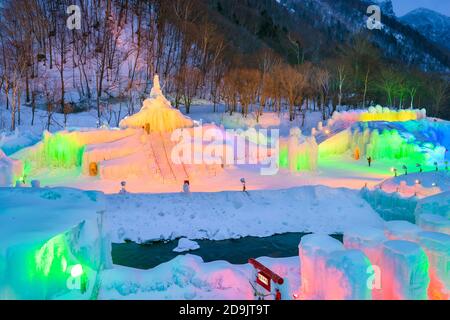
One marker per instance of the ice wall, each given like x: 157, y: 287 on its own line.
x: 437, y: 248
x: 133, y: 165
x: 95, y: 153
x: 383, y: 140
x: 370, y: 241
x: 56, y: 251
x: 438, y: 205
x: 416, y: 269
x: 299, y: 153
x: 404, y: 271
x: 65, y: 149
x: 432, y: 222
x: 391, y: 206
x: 336, y: 145
x: 433, y: 213
x: 347, y: 275
x: 377, y: 113
x: 313, y: 252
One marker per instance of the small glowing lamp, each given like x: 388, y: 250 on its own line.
x: 417, y: 181
x: 76, y: 271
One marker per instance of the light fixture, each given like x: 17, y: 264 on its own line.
x: 76, y: 271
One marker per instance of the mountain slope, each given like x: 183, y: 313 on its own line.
x: 317, y: 28
x: 431, y: 24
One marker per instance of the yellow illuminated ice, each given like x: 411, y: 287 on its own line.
x: 157, y: 114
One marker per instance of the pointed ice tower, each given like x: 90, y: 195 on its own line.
x: 157, y: 114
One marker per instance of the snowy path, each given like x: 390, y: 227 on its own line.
x: 225, y: 215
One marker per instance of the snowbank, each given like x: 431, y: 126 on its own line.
x: 189, y: 278
x: 225, y: 215
x: 420, y: 184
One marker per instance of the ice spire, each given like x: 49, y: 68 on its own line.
x: 156, y: 90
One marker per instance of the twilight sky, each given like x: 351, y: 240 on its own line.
x: 402, y: 7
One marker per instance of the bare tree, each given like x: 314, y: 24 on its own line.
x: 439, y: 93
x: 292, y: 82
x: 248, y: 84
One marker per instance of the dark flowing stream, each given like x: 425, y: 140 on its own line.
x: 235, y: 251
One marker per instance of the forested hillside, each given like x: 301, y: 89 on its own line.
x: 272, y: 55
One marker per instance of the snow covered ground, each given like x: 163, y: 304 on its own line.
x: 225, y: 215
x: 189, y: 278
x: 422, y: 185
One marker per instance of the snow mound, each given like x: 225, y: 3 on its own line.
x: 186, y: 245
x: 187, y: 277
x: 157, y: 114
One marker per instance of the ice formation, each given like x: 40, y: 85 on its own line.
x: 402, y: 230
x: 391, y: 206
x: 404, y: 271
x: 438, y: 204
x: 64, y: 149
x: 433, y: 222
x: 45, y: 254
x: 346, y: 276
x: 10, y: 170
x: 377, y: 113
x: 157, y: 114
x: 367, y: 239
x: 186, y: 245
x: 433, y: 213
x: 313, y: 253
x: 437, y: 248
x: 379, y: 142
x: 299, y: 153
x: 370, y: 241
